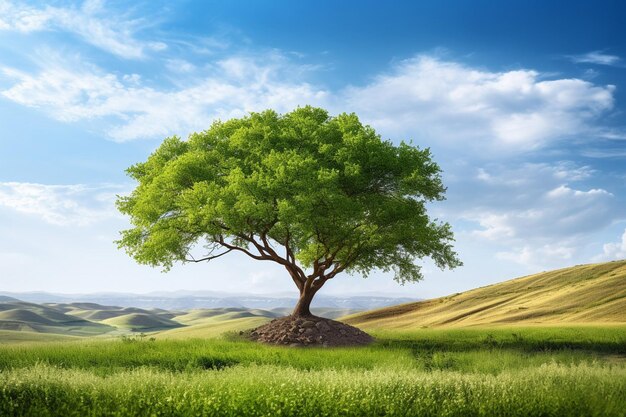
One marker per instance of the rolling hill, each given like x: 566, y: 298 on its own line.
x: 141, y: 322
x: 214, y: 322
x: 212, y: 328
x: 583, y: 294
x: 594, y: 293
x: 21, y: 316
x: 221, y: 314
x: 188, y: 300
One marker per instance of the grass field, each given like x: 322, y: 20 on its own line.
x: 593, y: 294
x: 551, y: 344
x: 536, y: 371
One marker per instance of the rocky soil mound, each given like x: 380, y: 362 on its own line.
x: 310, y: 331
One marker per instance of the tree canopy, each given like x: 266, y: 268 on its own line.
x: 314, y: 193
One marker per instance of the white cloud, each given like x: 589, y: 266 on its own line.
x: 614, y: 250
x: 61, y: 205
x: 536, y: 214
x: 424, y: 97
x: 595, y: 57
x: 562, y: 212
x: 539, y: 257
x: 21, y: 18
x: 67, y: 95
x: 613, y: 134
x: 450, y: 101
x: 91, y: 22
x: 529, y: 173
x: 604, y: 153
x: 495, y: 226
x: 234, y: 87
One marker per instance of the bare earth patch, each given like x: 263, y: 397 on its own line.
x: 310, y: 331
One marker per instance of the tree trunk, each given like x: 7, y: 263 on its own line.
x: 303, y: 308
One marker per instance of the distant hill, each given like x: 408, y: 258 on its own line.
x: 142, y: 322
x: 182, y: 300
x: 582, y: 294
x: 327, y: 312
x: 222, y: 314
x: 91, y: 319
x: 23, y: 316
x: 214, y: 322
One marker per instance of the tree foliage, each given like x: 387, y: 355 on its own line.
x: 316, y: 194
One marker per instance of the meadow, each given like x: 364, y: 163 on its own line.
x: 513, y: 371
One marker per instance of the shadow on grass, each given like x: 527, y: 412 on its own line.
x: 515, y: 342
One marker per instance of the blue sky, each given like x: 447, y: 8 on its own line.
x: 522, y: 103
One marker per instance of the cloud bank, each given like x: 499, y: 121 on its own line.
x: 425, y: 96
x: 535, y: 214
x: 62, y: 205
x: 448, y: 100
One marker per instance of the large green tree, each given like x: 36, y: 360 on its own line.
x: 316, y: 194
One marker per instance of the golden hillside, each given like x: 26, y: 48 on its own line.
x: 593, y: 293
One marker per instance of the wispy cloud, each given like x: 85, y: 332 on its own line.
x: 612, y: 134
x: 613, y: 250
x: 615, y: 153
x: 444, y: 101
x: 91, y: 22
x: 560, y: 212
x: 529, y: 174
x: 231, y: 87
x: 595, y: 57
x: 537, y: 215
x: 61, y: 205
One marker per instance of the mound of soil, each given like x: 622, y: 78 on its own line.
x: 310, y: 331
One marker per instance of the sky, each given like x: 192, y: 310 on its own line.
x: 522, y: 104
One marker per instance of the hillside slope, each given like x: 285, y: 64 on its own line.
x: 22, y: 316
x: 141, y: 322
x: 593, y: 293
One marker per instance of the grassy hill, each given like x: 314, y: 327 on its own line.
x: 593, y: 293
x: 23, y: 321
x: 21, y: 316
x: 221, y: 314
x: 141, y: 322
x: 211, y: 328
x: 213, y: 322
x: 578, y: 295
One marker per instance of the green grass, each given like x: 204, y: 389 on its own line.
x: 270, y: 390
x: 455, y: 372
x: 17, y: 336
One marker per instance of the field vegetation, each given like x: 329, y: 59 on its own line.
x: 551, y: 344
x: 591, y: 294
x: 536, y: 371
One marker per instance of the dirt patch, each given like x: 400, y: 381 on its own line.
x: 310, y: 331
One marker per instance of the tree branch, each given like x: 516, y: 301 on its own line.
x: 288, y: 251
x: 247, y: 252
x: 267, y: 253
x: 207, y: 258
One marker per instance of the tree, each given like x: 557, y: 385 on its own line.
x: 316, y: 194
